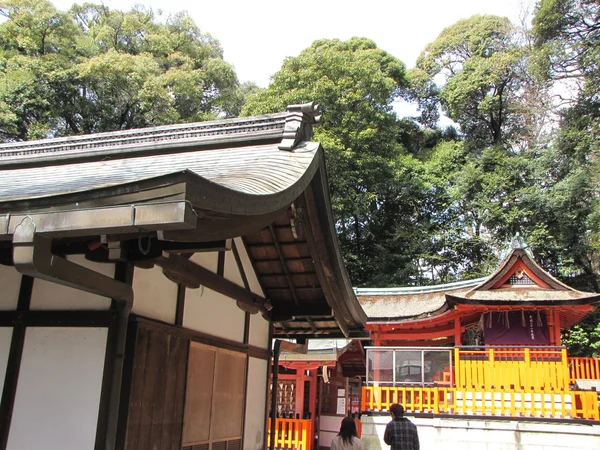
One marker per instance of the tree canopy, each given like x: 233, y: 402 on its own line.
x: 95, y: 69
x: 373, y: 185
x: 415, y: 203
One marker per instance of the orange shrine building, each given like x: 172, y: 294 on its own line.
x: 490, y: 346
x: 487, y: 349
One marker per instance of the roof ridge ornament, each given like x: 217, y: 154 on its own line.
x: 299, y: 124
x: 518, y: 243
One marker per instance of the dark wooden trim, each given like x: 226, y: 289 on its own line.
x: 189, y: 270
x: 284, y: 266
x: 123, y: 273
x: 68, y: 318
x: 126, y: 386
x: 221, y: 264
x: 13, y: 366
x: 25, y: 292
x: 10, y: 383
x: 192, y: 335
x: 180, y: 305
x: 240, y: 266
x: 246, y: 328
x: 253, y: 263
x: 259, y: 353
x: 109, y: 362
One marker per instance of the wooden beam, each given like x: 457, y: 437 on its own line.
x: 421, y: 343
x: 240, y: 266
x: 284, y: 265
x: 430, y: 333
x: 311, y: 310
x: 197, y: 274
x: 63, y: 318
x: 217, y: 229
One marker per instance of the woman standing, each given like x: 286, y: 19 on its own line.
x: 347, y: 438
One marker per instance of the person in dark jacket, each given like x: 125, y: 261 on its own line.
x: 401, y: 433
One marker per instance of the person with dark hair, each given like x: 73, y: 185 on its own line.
x: 347, y: 438
x: 401, y: 433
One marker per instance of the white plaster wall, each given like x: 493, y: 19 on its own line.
x: 58, y: 393
x: 232, y: 272
x: 208, y: 260
x: 154, y: 295
x: 256, y: 399
x: 470, y: 434
x: 259, y: 331
x: 5, y: 341
x: 49, y: 296
x: 213, y: 313
x: 249, y: 270
x: 10, y: 282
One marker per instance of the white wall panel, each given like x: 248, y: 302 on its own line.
x: 232, y: 272
x: 48, y: 296
x: 213, y: 313
x: 154, y: 295
x: 259, y: 331
x: 5, y: 341
x: 255, y: 404
x: 58, y: 392
x: 10, y: 280
x: 208, y: 260
x: 249, y: 270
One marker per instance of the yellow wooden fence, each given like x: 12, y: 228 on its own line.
x: 584, y: 368
x: 292, y: 433
x: 519, y: 369
x: 513, y: 403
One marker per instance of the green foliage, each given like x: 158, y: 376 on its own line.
x: 95, y: 69
x: 567, y: 36
x: 375, y: 186
x: 480, y: 66
x: 584, y: 339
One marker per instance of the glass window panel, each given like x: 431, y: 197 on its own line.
x: 380, y: 366
x: 408, y: 366
x: 437, y: 366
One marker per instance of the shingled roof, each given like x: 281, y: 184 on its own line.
x: 260, y: 177
x: 410, y: 302
x: 518, y: 281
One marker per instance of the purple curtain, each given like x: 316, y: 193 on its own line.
x: 515, y: 328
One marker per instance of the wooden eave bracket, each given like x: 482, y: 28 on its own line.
x: 299, y: 124
x: 193, y: 275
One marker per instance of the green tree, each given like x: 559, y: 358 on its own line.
x: 94, y: 69
x: 375, y: 184
x: 475, y: 70
x: 567, y: 35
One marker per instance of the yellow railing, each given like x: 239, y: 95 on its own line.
x: 518, y: 369
x: 512, y: 403
x: 292, y: 433
x: 584, y: 368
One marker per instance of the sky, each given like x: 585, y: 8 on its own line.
x: 257, y: 35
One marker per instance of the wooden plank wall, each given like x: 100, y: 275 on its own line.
x: 156, y: 397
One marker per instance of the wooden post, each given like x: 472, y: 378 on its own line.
x: 313, y: 394
x: 299, y: 406
x: 457, y: 341
x: 556, y: 320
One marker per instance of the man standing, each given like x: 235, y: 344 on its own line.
x: 401, y: 433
